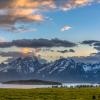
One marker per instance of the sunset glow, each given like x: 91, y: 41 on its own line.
x: 49, y: 29
x: 26, y: 50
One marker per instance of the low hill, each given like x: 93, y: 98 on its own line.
x: 32, y: 82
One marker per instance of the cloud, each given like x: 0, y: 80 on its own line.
x: 11, y: 54
x: 94, y: 43
x: 27, y: 4
x: 30, y: 11
x: 66, y: 51
x: 97, y: 48
x: 93, y: 58
x: 2, y: 39
x: 65, y: 28
x: 12, y: 11
x: 71, y: 50
x: 97, y: 44
x: 71, y: 4
x: 4, y: 44
x: 90, y: 42
x: 12, y: 19
x: 37, y: 43
x: 21, y: 29
x: 63, y: 51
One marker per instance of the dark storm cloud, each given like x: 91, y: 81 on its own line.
x: 97, y: 44
x: 5, y: 44
x: 71, y: 50
x: 97, y: 48
x: 94, y: 43
x: 90, y: 42
x: 35, y: 43
x: 63, y: 51
x: 66, y: 51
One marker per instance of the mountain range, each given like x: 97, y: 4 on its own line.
x: 61, y: 70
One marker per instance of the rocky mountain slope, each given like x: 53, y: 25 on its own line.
x: 63, y: 70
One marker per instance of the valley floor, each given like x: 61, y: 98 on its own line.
x: 51, y: 94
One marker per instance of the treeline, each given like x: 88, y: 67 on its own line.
x: 77, y: 86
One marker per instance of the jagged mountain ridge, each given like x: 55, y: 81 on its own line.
x: 63, y: 70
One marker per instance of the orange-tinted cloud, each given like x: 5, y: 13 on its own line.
x: 80, y: 2
x: 26, y: 50
x: 36, y: 17
x: 13, y: 11
x: 32, y: 3
x: 26, y: 3
x: 21, y: 12
x: 70, y: 4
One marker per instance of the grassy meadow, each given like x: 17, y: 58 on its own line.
x: 51, y: 94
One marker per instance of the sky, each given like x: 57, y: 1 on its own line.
x: 49, y: 29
